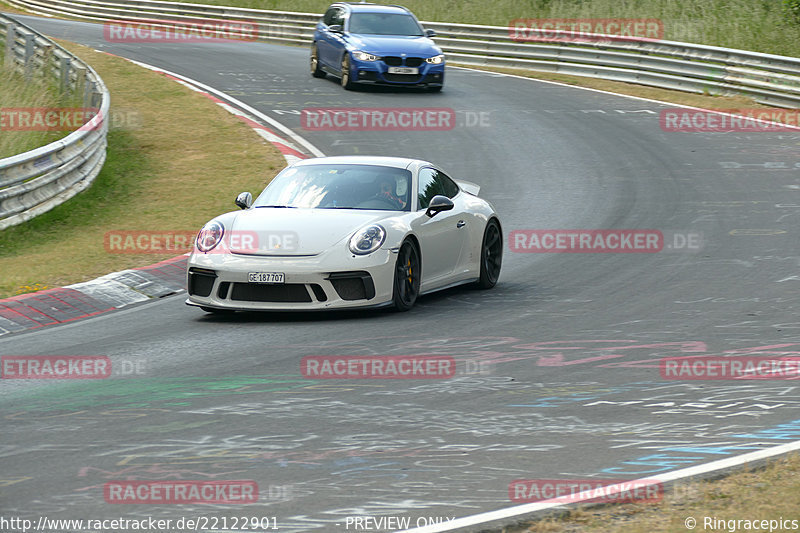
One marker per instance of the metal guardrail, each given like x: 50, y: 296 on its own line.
x: 768, y: 79
x: 36, y: 181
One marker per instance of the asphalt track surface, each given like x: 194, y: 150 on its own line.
x: 569, y: 387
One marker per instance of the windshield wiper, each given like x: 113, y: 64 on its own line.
x: 277, y: 206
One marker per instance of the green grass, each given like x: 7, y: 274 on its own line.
x: 156, y: 179
x: 16, y: 92
x: 105, y: 202
x: 760, y: 25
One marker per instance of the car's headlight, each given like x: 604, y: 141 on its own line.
x: 367, y: 240
x: 364, y: 56
x: 435, y: 60
x: 210, y: 236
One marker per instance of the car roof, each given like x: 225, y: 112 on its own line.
x: 384, y: 161
x: 372, y: 8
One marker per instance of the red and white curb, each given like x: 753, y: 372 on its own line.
x: 127, y: 287
x: 90, y: 298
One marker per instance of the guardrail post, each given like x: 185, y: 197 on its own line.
x: 96, y: 97
x: 65, y: 62
x: 30, y: 50
x: 47, y: 58
x: 11, y: 37
x: 80, y: 80
x: 88, y: 94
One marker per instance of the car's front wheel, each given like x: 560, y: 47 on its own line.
x: 346, y: 83
x: 406, y: 277
x: 316, y: 71
x: 491, y: 255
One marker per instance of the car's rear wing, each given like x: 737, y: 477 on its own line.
x: 469, y: 187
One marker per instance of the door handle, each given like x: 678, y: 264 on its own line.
x: 461, y: 224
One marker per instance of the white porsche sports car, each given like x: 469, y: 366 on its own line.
x: 346, y: 232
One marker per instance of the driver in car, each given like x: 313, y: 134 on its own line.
x: 387, y: 192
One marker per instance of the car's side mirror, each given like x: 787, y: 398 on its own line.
x: 244, y: 200
x: 439, y: 203
x: 336, y: 28
x: 430, y: 33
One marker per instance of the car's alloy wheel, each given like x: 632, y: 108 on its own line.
x: 346, y: 83
x: 406, y: 277
x: 491, y: 255
x: 315, y: 70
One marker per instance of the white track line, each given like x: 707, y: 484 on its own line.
x: 238, y: 103
x: 651, y: 100
x: 683, y: 473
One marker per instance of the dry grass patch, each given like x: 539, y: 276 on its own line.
x: 175, y: 160
x: 770, y: 493
x: 8, y: 8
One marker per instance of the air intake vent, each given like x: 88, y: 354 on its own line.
x: 201, y: 281
x: 254, y: 292
x: 356, y: 285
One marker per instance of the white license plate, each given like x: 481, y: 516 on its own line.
x: 266, y: 277
x: 403, y: 70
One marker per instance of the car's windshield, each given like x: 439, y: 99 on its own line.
x: 339, y: 187
x: 384, y: 24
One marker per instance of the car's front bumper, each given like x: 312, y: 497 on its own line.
x: 377, y: 72
x: 220, y: 281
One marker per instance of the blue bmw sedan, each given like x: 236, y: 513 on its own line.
x: 376, y: 44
